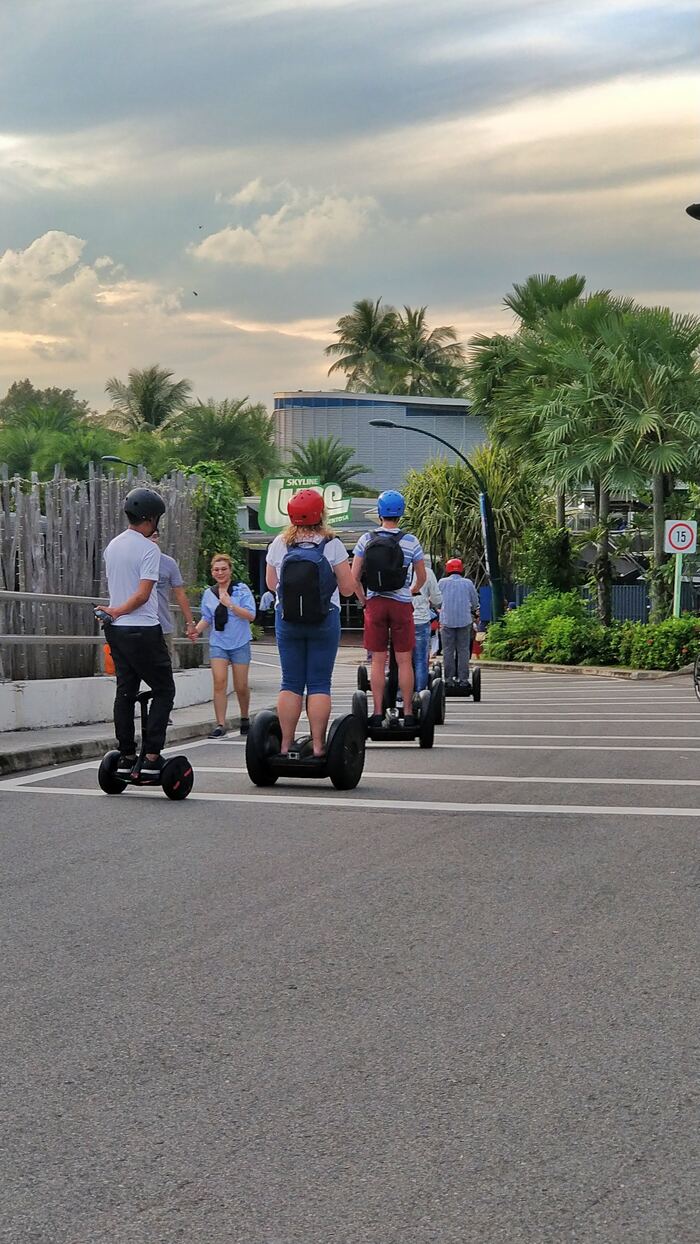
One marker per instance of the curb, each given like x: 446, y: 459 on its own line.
x: 43, y: 755
x: 593, y: 671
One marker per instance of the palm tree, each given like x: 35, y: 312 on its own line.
x: 442, y: 506
x: 367, y: 347
x: 150, y: 398
x: 431, y: 360
x: 540, y: 294
x: 232, y: 432
x: 330, y: 460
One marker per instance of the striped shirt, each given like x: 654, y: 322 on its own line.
x: 460, y: 600
x: 412, y: 553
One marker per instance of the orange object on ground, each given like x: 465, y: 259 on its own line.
x: 109, y: 662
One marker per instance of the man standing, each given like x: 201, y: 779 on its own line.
x: 428, y: 598
x: 170, y: 581
x: 135, y: 636
x: 388, y: 558
x: 460, y: 608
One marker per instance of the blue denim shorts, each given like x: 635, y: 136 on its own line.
x: 236, y: 656
x: 307, y: 653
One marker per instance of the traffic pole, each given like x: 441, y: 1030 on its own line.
x: 677, y: 581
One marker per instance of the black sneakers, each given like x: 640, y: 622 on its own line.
x: 125, y: 765
x: 245, y: 725
x: 219, y: 732
x: 149, y: 771
x: 409, y: 722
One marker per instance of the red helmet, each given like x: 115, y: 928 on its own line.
x: 305, y: 508
x: 454, y: 566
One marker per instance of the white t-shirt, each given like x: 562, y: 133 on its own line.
x: 335, y: 552
x: 129, y: 558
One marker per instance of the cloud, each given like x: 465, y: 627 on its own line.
x: 295, y: 235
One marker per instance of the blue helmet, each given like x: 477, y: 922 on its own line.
x: 390, y: 504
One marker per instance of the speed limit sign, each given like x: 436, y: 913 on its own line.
x: 680, y: 535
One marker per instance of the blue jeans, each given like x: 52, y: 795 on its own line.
x: 307, y: 653
x: 421, y: 653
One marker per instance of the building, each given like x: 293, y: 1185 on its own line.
x: 389, y: 454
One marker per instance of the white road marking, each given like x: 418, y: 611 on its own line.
x: 388, y: 805
x: 380, y: 775
x: 540, y: 747
x: 484, y: 734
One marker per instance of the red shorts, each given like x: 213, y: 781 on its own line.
x: 384, y: 616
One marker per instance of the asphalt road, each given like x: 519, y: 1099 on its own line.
x: 457, y: 1004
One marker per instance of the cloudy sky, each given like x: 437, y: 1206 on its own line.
x: 284, y: 157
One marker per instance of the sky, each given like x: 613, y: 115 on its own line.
x: 209, y: 184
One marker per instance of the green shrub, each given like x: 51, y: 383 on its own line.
x: 218, y: 500
x: 558, y: 629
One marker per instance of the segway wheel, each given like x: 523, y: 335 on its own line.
x: 362, y: 678
x: 696, y: 676
x: 476, y: 684
x: 437, y: 695
x: 437, y: 669
x: 107, y: 775
x: 346, y: 752
x: 263, y: 742
x: 359, y: 708
x: 426, y: 728
x: 177, y: 777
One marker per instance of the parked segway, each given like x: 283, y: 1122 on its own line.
x: 176, y: 776
x: 426, y: 708
x: 343, y: 762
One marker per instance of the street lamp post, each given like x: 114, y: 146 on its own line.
x: 487, y: 523
x: 114, y: 458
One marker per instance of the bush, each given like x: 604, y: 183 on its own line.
x: 558, y: 629
x: 218, y: 502
x: 544, y: 558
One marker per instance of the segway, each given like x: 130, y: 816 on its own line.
x: 471, y: 688
x: 176, y: 776
x: 435, y: 685
x: 343, y: 762
x: 426, y: 708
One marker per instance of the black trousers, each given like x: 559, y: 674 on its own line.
x: 140, y: 654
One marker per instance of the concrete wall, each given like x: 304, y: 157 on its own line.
x: 81, y: 701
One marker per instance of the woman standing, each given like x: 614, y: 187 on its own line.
x: 230, y: 611
x: 308, y: 567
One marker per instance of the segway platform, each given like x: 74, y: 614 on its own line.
x: 392, y: 729
x: 343, y: 762
x: 176, y: 777
x: 470, y: 689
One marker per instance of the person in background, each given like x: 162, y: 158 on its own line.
x: 428, y: 599
x: 171, y: 581
x: 229, y: 609
x: 460, y: 608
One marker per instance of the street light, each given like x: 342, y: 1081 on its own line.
x: 694, y: 210
x: 487, y: 524
x: 114, y: 458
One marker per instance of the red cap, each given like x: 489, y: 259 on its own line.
x: 454, y: 566
x: 305, y: 508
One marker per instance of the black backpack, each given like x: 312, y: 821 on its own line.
x: 307, y: 583
x: 384, y: 567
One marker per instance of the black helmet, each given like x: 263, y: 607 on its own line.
x: 142, y: 504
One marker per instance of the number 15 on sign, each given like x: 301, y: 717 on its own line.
x: 680, y: 536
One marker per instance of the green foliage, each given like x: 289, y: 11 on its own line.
x: 381, y: 350
x: 558, y: 629
x: 232, y: 431
x: 442, y: 507
x: 217, y: 501
x: 544, y: 558
x: 330, y: 460
x: 22, y: 395
x: 150, y: 397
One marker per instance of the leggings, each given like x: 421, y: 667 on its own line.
x: 307, y: 653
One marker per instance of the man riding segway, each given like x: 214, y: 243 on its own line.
x: 135, y: 637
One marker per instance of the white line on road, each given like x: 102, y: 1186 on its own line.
x: 388, y: 805
x: 379, y: 775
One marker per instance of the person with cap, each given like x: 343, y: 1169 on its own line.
x: 135, y: 635
x: 460, y: 609
x: 228, y: 608
x: 307, y: 567
x: 393, y: 565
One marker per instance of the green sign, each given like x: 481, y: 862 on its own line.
x: 275, y: 494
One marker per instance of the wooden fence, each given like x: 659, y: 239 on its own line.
x: 52, y: 537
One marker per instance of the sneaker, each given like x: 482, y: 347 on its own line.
x: 126, y: 764
x: 245, y: 725
x: 409, y: 722
x: 375, y: 721
x: 148, y: 772
x: 219, y: 732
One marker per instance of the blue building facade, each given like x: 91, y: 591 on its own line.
x: 387, y: 452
